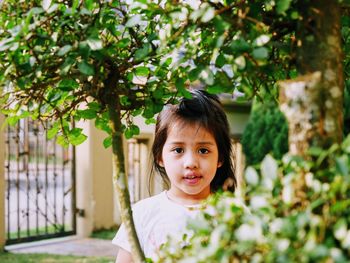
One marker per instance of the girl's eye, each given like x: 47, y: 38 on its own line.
x: 203, y: 151
x: 178, y: 150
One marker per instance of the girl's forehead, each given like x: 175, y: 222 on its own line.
x: 187, y: 128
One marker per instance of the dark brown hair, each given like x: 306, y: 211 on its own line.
x: 204, y: 109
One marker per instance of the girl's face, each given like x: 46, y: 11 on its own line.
x: 190, y: 158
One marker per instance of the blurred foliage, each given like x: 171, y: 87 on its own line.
x: 347, y: 109
x: 345, y: 32
x: 266, y: 132
x: 296, y: 210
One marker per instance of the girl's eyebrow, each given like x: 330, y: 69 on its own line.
x: 200, y: 143
x: 210, y: 143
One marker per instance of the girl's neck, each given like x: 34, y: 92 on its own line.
x: 187, y: 200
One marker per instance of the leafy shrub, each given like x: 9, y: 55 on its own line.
x: 347, y: 108
x: 297, y: 210
x: 266, y: 132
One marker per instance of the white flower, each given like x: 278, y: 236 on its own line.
x: 276, y: 225
x: 283, y: 244
x: 251, y: 176
x: 257, y: 202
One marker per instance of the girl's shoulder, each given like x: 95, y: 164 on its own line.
x: 150, y: 204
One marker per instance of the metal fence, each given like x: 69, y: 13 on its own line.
x: 40, y: 190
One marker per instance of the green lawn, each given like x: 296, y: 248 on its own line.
x: 46, y: 258
x: 105, y: 233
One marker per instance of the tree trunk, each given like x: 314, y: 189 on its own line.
x: 120, y: 178
x: 321, y: 87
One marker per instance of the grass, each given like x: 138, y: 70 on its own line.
x: 107, y: 234
x: 6, y: 257
x: 51, y: 229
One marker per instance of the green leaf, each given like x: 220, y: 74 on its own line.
x: 135, y: 129
x: 220, y: 61
x: 12, y: 120
x: 239, y: 46
x: 143, y: 52
x: 142, y: 71
x: 87, y: 114
x: 89, y: 4
x: 76, y: 137
x: 180, y: 85
x: 150, y: 121
x: 123, y: 43
x: 131, y: 131
x: 51, y: 133
x: 68, y: 84
x: 102, y: 124
x: 136, y: 112
x: 282, y: 6
x: 260, y: 53
x: 124, y: 100
x: 342, y: 165
x: 66, y: 66
x: 94, y: 106
x: 158, y: 94
x: 128, y: 134
x: 215, y: 89
x: 107, y: 142
x: 220, y: 24
x: 86, y: 68
x: 193, y: 75
x: 63, y: 141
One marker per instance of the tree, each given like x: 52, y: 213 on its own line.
x: 266, y: 132
x: 65, y: 61
x: 252, y: 45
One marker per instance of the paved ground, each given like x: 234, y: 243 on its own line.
x: 68, y: 246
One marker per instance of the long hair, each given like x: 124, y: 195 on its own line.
x: 204, y: 109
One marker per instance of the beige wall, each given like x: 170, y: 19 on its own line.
x: 102, y: 182
x: 94, y: 182
x: 2, y: 185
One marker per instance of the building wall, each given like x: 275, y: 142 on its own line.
x: 94, y: 185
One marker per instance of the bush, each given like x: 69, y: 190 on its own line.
x: 266, y: 132
x: 297, y: 210
x: 347, y: 108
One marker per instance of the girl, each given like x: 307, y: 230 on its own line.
x: 192, y: 153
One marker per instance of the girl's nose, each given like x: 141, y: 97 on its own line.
x: 190, y: 161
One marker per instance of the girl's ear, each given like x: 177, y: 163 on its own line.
x: 219, y: 164
x: 160, y: 163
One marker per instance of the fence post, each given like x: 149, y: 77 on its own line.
x: 2, y: 184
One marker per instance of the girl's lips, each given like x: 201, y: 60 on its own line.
x: 192, y: 178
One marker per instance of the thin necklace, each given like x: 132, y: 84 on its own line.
x: 193, y: 207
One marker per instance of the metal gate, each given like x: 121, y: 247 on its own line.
x: 40, y: 190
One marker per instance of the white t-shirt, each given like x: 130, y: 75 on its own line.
x: 155, y: 219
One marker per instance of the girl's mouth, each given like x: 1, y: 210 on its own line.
x: 192, y: 179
